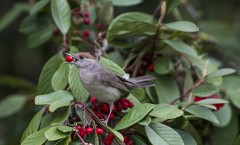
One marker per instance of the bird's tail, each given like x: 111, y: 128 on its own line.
x: 143, y: 81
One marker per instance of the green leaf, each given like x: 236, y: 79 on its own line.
x: 202, y: 112
x: 36, y: 138
x: 136, y: 114
x: 65, y: 128
x: 116, y: 57
x: 205, y: 90
x: 165, y: 111
x: 221, y: 72
x: 40, y: 37
x: 112, y: 66
x: 61, y: 13
x: 159, y: 134
x: 162, y: 65
x: 137, y: 140
x: 60, y: 103
x: 33, y: 125
x: 38, y: 6
x: 12, y: 104
x: 231, y: 84
x: 52, y: 97
x: 166, y: 88
x: 187, y: 138
x: 223, y: 115
x: 60, y: 77
x: 57, y: 117
x: 123, y: 3
x: 183, y: 26
x: 44, y: 83
x: 12, y: 14
x: 54, y: 134
x: 237, y: 141
x: 212, y: 101
x: 105, y: 10
x: 225, y: 135
x: 129, y: 28
x: 181, y: 47
x: 194, y: 133
x: 139, y: 93
x: 79, y: 92
x: 145, y: 121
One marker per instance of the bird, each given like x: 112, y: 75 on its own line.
x: 102, y: 83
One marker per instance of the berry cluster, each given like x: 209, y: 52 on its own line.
x: 88, y: 130
x: 80, y: 17
x: 218, y: 106
x: 101, y: 110
x: 147, y: 64
x: 109, y: 139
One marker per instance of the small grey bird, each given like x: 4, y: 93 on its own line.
x: 102, y: 83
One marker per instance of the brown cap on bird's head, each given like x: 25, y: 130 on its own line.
x: 85, y: 55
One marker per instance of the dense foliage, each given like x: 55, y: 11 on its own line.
x: 193, y: 102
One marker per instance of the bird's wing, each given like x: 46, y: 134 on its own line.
x: 110, y: 79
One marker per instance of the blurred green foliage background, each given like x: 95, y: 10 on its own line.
x: 219, y: 18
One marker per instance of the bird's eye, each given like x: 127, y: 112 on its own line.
x: 81, y: 57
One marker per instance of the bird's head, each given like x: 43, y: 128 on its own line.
x: 82, y: 59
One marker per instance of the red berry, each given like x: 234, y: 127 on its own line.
x: 86, y: 21
x: 107, y: 141
x: 111, y: 117
x: 125, y: 105
x: 89, y: 130
x: 126, y: 139
x: 78, y: 127
x: 99, y: 131
x: 86, y: 14
x: 93, y: 100
x: 86, y: 33
x: 68, y: 58
x: 130, y: 104
x: 150, y: 67
x: 110, y: 136
x: 196, y: 98
x: 82, y: 133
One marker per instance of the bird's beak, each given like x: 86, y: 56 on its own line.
x: 72, y: 55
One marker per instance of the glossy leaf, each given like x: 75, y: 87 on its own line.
x: 44, y: 83
x: 38, y: 6
x: 212, y: 101
x: 36, y: 138
x: 221, y: 72
x: 232, y: 86
x: 172, y: 4
x: 159, y: 134
x: 79, y: 92
x: 187, y: 138
x: 65, y: 128
x: 181, y: 47
x: 107, y: 11
x: 126, y: 2
x: 112, y: 66
x: 137, y: 140
x: 183, y: 26
x: 60, y: 103
x: 162, y: 65
x: 52, y: 97
x: 165, y: 111
x: 166, y: 89
x: 136, y: 114
x: 202, y: 112
x: 12, y: 104
x: 60, y: 77
x: 33, y: 125
x: 145, y: 121
x: 57, y: 117
x: 54, y: 134
x: 223, y: 115
x: 61, y: 13
x: 205, y: 90
x: 225, y: 135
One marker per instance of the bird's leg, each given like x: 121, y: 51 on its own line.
x: 111, y: 106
